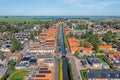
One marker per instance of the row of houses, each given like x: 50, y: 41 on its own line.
x: 114, y: 58
x: 46, y: 42
x: 93, y: 63
x: 6, y: 44
x: 75, y: 46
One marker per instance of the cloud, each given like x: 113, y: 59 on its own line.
x: 95, y: 4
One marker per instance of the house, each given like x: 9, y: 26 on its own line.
x: 14, y: 56
x: 44, y: 73
x: 103, y: 75
x: 2, y: 59
x: 21, y: 36
x: 26, y: 62
x: 114, y: 58
x: 67, y: 31
x: 21, y: 66
x: 77, y: 32
x: 105, y: 48
x: 36, y: 47
x: 87, y: 50
x: 105, y: 66
x: 118, y: 48
x: 95, y: 62
x: 43, y: 34
x: 45, y: 60
x: 6, y: 45
x: 73, y: 43
x: 84, y: 63
x: 48, y: 62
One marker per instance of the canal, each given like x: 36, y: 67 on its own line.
x: 66, y: 75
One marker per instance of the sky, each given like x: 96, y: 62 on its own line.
x: 60, y: 7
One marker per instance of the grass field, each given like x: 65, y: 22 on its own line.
x: 18, y: 75
x: 22, y: 19
x: 84, y: 74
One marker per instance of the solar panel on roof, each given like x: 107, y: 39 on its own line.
x: 43, y: 68
x: 102, y: 75
x: 26, y: 59
x: 91, y: 75
x: 118, y: 75
x: 44, y: 71
x: 111, y: 75
x: 40, y: 75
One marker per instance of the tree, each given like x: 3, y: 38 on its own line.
x: 11, y: 63
x: 15, y: 45
x: 76, y: 36
x: 84, y: 44
x: 3, y: 77
x: 82, y: 27
x: 108, y: 37
x: 93, y: 39
x: 32, y: 36
x: 87, y: 34
x: 76, y: 54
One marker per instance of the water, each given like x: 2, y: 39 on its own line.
x: 66, y: 75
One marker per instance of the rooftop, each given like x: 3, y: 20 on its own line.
x: 104, y: 74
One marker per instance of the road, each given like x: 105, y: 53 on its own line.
x: 56, y: 77
x: 76, y: 73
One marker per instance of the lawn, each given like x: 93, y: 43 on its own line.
x: 83, y: 74
x: 16, y: 20
x: 103, y: 59
x: 18, y: 75
x: 20, y: 20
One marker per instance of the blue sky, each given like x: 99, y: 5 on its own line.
x: 59, y: 7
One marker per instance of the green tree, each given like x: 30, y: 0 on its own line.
x: 11, y: 63
x: 32, y: 36
x: 77, y: 54
x: 108, y: 37
x: 84, y: 44
x: 15, y: 45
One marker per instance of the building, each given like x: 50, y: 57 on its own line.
x: 36, y: 47
x: 67, y: 31
x: 2, y: 59
x: 45, y: 60
x: 114, y: 58
x: 105, y: 48
x: 77, y: 32
x: 94, y: 62
x: 44, y: 73
x: 14, y: 56
x: 103, y: 75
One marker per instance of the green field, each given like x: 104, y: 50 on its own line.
x: 84, y: 74
x: 22, y: 19
x: 18, y: 75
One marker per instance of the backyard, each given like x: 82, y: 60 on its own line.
x: 17, y: 75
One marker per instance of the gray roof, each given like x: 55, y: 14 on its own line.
x: 103, y: 74
x: 2, y: 56
x: 48, y: 60
x: 45, y: 56
x: 3, y: 70
x: 93, y: 60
